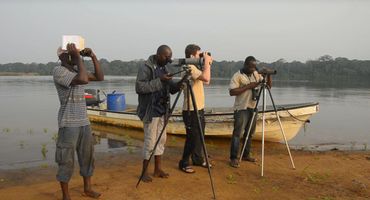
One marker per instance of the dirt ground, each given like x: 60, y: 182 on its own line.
x: 318, y: 175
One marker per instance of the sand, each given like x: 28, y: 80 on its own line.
x: 318, y: 175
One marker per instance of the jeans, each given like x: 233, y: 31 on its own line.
x: 193, y: 144
x: 242, y: 120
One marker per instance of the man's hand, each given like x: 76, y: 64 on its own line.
x: 183, y: 79
x: 72, y: 50
x: 89, y: 52
x: 165, y: 77
x: 253, y: 84
x: 207, y: 58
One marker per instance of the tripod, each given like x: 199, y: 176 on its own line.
x: 263, y: 88
x: 168, y: 115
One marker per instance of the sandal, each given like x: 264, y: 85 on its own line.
x: 187, y: 169
x: 204, y: 164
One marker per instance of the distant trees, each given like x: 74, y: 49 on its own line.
x: 325, y: 68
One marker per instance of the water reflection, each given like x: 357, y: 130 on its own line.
x: 112, y: 144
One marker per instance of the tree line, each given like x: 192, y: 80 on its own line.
x: 325, y: 68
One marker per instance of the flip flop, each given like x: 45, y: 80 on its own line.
x: 187, y: 169
x: 204, y: 164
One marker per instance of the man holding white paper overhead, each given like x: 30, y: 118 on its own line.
x: 74, y: 126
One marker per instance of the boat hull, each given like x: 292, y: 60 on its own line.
x: 220, y: 124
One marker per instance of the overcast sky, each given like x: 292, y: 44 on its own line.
x: 300, y: 30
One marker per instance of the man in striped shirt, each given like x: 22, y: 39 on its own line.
x: 74, y: 126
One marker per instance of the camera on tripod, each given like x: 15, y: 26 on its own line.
x: 198, y: 62
x: 267, y: 71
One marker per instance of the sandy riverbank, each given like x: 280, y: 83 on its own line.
x: 319, y: 175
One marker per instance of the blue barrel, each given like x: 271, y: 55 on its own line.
x: 116, y: 102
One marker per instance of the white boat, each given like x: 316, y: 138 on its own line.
x: 219, y: 121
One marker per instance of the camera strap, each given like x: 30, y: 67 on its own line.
x: 243, y: 72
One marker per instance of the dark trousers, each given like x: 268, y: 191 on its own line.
x: 193, y: 144
x: 242, y: 119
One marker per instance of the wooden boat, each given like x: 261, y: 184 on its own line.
x: 219, y: 121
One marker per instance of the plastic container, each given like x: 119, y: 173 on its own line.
x: 116, y: 102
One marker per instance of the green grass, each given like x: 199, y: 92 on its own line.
x: 21, y: 144
x: 44, y: 165
x: 275, y: 188
x: 55, y: 137
x: 6, y: 130
x: 257, y: 190
x: 173, y: 140
x: 130, y: 150
x: 128, y: 140
x: 316, y: 177
x: 230, y: 179
x: 44, y: 151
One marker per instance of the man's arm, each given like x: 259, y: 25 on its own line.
x: 206, y: 73
x: 144, y: 84
x: 269, y: 81
x: 240, y: 90
x: 98, y: 74
x: 81, y: 78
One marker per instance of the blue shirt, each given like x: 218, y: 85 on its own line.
x: 161, y: 97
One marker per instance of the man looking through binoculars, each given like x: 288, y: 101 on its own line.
x: 193, y: 143
x: 74, y: 132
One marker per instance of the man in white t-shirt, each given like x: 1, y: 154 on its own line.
x: 241, y: 86
x: 193, y: 143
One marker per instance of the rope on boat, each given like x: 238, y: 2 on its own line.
x: 305, y: 121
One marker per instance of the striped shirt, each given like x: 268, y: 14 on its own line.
x: 72, y: 111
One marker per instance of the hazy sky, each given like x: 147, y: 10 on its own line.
x: 300, y: 30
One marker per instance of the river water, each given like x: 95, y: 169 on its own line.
x: 29, y: 105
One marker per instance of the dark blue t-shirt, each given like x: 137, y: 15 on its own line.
x: 160, y: 97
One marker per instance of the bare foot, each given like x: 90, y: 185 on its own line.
x: 92, y: 194
x: 161, y: 174
x: 146, y: 178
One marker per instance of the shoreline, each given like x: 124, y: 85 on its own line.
x: 318, y: 175
x: 19, y: 74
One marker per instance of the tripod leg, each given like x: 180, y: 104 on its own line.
x: 248, y: 133
x: 263, y: 128
x: 167, y: 116
x: 201, y: 136
x: 281, y: 128
x: 255, y: 113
